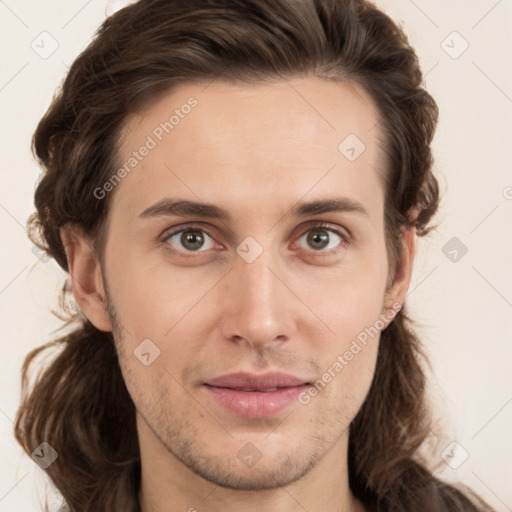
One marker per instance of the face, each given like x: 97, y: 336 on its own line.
x: 282, y: 272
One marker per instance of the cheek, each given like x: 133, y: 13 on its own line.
x: 157, y: 300
x: 347, y: 359
x: 352, y: 307
x: 351, y: 300
x: 152, y: 298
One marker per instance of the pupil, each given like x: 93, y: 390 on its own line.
x: 192, y: 240
x: 314, y: 238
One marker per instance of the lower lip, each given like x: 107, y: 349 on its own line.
x: 255, y: 404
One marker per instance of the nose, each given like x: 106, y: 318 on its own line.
x: 260, y: 308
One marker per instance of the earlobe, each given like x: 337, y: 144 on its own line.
x: 86, y: 276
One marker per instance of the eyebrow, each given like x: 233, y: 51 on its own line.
x: 184, y: 208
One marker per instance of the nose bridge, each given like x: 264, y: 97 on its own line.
x: 260, y: 311
x: 258, y: 282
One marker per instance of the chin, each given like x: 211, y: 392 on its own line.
x: 252, y: 479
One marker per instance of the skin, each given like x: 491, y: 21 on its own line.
x: 254, y: 150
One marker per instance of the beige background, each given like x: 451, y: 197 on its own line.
x: 465, y: 306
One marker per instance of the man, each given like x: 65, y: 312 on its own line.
x: 235, y: 189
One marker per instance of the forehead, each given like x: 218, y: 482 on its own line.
x: 246, y: 145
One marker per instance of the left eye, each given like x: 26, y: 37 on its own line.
x: 319, y: 238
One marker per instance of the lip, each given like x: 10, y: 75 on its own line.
x: 243, y: 380
x: 243, y: 393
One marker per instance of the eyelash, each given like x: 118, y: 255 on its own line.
x: 193, y: 227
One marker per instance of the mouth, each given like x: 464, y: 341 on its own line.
x: 255, y: 396
x: 250, y: 390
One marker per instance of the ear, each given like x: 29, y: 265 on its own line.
x: 395, y: 295
x: 86, y: 278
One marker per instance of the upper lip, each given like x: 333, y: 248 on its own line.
x: 250, y: 381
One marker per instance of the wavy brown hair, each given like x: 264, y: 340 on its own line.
x: 79, y: 403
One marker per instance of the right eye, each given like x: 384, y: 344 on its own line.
x: 189, y: 239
